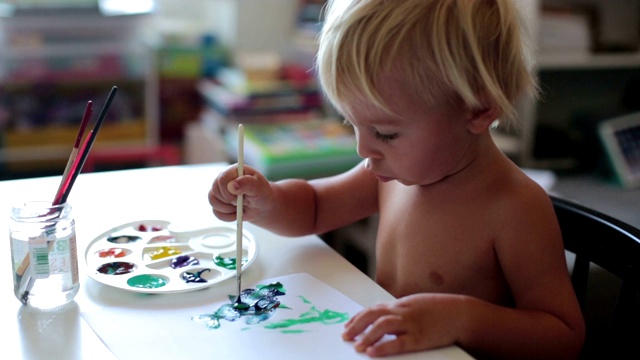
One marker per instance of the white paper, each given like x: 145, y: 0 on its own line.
x: 154, y: 330
x: 137, y: 332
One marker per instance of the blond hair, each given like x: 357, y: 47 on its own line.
x: 440, y: 50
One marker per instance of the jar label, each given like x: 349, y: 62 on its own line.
x: 53, y: 256
x: 39, y: 249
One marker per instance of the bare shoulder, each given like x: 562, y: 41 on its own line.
x: 528, y: 221
x: 353, y: 182
x: 530, y: 244
x: 345, y: 198
x: 525, y: 200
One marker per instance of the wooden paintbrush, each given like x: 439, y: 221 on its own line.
x: 76, y: 146
x: 239, y: 304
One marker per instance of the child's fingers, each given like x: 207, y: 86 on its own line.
x: 386, y: 324
x: 222, y: 209
x: 227, y: 217
x: 245, y: 185
x: 389, y: 347
x: 218, y: 194
x: 235, y: 187
x: 359, y: 323
x: 226, y: 188
x: 252, y: 184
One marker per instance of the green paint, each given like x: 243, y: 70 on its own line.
x: 255, y: 305
x: 314, y: 315
x: 272, y: 286
x: 240, y: 306
x: 260, y: 304
x: 147, y: 281
x: 228, y: 263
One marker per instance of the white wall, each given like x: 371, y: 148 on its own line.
x: 243, y: 25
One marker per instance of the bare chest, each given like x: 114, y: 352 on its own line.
x: 434, y: 247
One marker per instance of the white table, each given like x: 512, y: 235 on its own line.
x: 104, y: 200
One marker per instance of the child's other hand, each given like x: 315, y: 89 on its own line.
x: 417, y: 322
x: 256, y: 190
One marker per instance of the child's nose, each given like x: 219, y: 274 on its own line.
x: 365, y: 148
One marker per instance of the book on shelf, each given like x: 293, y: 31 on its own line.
x: 566, y: 29
x: 304, y: 149
x: 212, y: 119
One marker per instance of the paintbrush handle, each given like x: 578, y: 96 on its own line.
x: 88, y: 144
x: 24, y: 265
x: 66, y: 183
x: 239, y: 243
x: 88, y: 110
x: 74, y: 151
x: 239, y: 210
x: 67, y: 170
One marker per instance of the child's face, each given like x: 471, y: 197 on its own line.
x: 420, y: 146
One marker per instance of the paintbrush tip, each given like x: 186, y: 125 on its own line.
x: 24, y: 299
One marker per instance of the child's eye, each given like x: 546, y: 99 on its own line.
x: 385, y: 137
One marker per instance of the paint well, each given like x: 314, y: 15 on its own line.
x: 147, y: 281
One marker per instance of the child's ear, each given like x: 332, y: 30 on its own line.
x: 479, y: 120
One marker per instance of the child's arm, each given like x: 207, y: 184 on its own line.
x: 295, y: 207
x: 545, y: 323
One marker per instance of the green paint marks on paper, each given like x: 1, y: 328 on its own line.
x: 261, y: 303
x: 314, y: 315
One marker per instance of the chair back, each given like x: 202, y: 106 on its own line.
x: 605, y: 273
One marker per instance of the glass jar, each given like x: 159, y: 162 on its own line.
x: 43, y: 254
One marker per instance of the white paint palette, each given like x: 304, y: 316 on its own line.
x: 151, y: 256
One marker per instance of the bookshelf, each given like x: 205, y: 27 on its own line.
x: 581, y: 83
x: 286, y: 131
x: 54, y: 60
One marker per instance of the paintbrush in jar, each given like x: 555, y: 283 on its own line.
x: 76, y: 146
x: 68, y: 179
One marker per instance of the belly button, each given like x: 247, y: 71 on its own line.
x: 436, y: 278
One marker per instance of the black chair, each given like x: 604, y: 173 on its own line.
x: 606, y: 278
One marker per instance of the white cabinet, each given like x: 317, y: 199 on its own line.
x: 245, y: 26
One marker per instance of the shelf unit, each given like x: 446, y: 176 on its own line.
x: 53, y: 62
x: 579, y: 88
